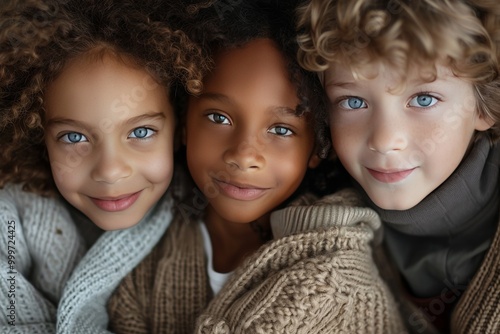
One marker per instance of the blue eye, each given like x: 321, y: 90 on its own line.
x: 423, y: 101
x: 73, y: 138
x: 281, y: 131
x: 141, y: 133
x: 352, y: 103
x: 218, y: 118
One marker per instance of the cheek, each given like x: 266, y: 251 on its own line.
x: 449, y: 151
x: 68, y: 169
x: 159, y: 167
x: 69, y: 181
x: 289, y: 170
x: 204, y: 149
x: 341, y: 141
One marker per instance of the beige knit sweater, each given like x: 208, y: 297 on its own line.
x: 317, y: 276
x: 478, y: 310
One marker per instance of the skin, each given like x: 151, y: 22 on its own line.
x: 401, y: 144
x: 247, y: 151
x: 109, y: 136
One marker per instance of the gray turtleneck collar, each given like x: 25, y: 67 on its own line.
x: 443, y: 239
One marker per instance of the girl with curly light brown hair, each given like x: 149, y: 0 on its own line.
x: 87, y: 118
x: 414, y: 116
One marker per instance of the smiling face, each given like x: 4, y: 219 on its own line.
x: 400, y: 145
x: 247, y: 151
x: 109, y: 136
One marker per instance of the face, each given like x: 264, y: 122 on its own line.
x: 109, y: 136
x: 400, y: 145
x: 246, y: 149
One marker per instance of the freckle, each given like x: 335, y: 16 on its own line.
x: 58, y: 231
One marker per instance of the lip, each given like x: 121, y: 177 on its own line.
x: 239, y: 191
x: 115, y: 204
x: 390, y: 176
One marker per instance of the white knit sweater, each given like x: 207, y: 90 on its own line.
x: 43, y: 245
x: 54, y: 278
x: 82, y: 308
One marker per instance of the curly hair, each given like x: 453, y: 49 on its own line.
x: 465, y: 34
x: 39, y: 37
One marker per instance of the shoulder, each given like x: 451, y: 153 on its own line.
x: 481, y: 295
x: 342, y: 210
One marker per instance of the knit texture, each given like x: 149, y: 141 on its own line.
x: 478, y: 310
x: 168, y: 290
x: 44, y: 246
x: 83, y: 304
x: 320, y: 279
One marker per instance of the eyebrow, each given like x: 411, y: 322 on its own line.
x: 216, y: 97
x: 414, y: 81
x: 340, y: 84
x: 282, y: 110
x: 144, y: 117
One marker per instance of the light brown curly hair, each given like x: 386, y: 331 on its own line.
x: 39, y: 37
x: 465, y: 34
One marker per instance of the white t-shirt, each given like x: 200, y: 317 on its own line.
x: 217, y: 280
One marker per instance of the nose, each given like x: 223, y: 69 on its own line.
x: 245, y: 154
x: 387, y: 134
x: 111, y: 166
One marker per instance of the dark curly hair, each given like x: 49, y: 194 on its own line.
x: 37, y: 39
x: 225, y: 26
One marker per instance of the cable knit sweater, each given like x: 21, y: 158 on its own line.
x: 317, y: 276
x: 40, y: 246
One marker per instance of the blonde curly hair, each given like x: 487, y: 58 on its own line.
x: 465, y: 34
x: 39, y: 37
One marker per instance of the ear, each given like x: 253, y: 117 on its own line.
x: 314, y: 161
x: 483, y: 122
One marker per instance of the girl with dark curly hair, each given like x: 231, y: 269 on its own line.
x: 87, y: 114
x: 250, y: 137
x: 87, y: 99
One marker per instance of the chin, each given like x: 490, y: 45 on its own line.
x: 239, y: 219
x: 396, y: 205
x: 238, y: 216
x: 110, y: 225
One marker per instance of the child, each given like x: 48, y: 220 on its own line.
x: 87, y: 113
x: 414, y: 92
x: 249, y: 140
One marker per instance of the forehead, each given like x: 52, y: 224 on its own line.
x: 413, y: 75
x: 79, y: 71
x: 100, y: 88
x: 257, y: 64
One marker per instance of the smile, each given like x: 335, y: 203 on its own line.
x: 115, y: 204
x: 240, y: 192
x: 387, y: 176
